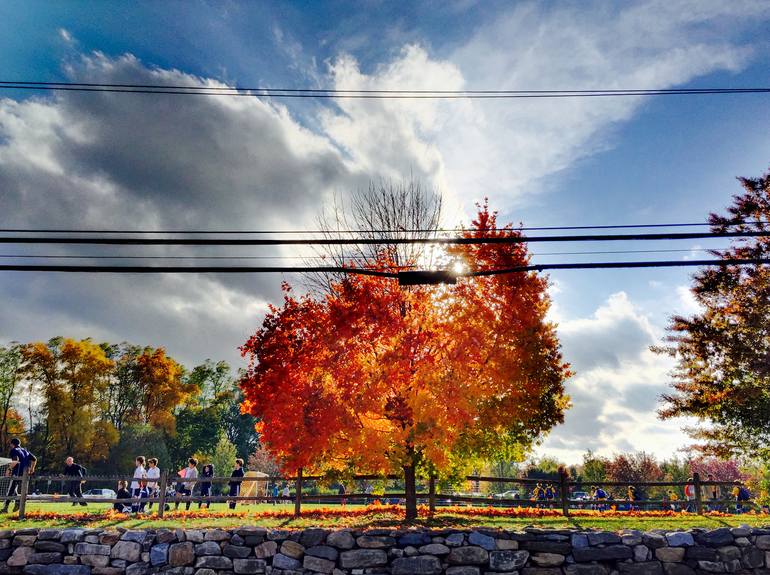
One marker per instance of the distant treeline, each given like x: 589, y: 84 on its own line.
x: 106, y: 403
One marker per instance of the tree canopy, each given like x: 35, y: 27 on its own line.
x: 722, y: 353
x: 374, y: 377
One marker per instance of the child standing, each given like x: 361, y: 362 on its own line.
x: 123, y: 494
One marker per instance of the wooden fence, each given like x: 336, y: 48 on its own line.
x: 562, y: 497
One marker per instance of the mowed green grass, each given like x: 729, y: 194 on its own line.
x: 222, y: 517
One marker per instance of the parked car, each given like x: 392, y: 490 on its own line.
x: 100, y: 494
x: 510, y: 494
x: 581, y: 496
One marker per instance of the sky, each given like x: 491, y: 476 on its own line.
x: 78, y: 160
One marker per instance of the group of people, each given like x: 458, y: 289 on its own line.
x: 145, y: 485
x: 545, y: 493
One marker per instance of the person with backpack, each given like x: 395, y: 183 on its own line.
x: 742, y: 496
x: 75, y: 486
x: 21, y: 461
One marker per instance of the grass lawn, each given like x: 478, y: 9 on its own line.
x: 221, y: 516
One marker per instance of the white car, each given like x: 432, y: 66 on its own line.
x: 511, y: 494
x: 100, y: 494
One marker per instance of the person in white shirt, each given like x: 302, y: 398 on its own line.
x: 153, y: 475
x: 139, y: 473
x: 286, y: 494
x: 190, y: 472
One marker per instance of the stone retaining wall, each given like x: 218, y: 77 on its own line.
x: 252, y: 550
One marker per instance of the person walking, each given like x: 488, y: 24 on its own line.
x: 235, y: 486
x: 75, y: 486
x: 286, y: 493
x: 207, y: 472
x: 21, y: 461
x: 153, y: 476
x: 276, y: 493
x: 139, y: 473
x: 189, y: 473
x: 689, y: 495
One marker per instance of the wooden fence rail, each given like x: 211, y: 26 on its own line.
x: 561, y: 499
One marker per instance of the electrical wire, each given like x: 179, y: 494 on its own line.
x: 323, y: 258
x: 360, y: 231
x: 377, y: 241
x: 363, y: 94
x: 371, y: 272
x: 617, y: 265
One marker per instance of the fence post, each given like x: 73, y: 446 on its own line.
x: 432, y: 494
x: 162, y: 497
x: 298, y: 496
x: 23, y: 494
x: 564, y: 489
x: 698, y: 494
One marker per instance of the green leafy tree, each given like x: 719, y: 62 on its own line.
x: 594, y: 468
x: 139, y: 439
x: 722, y: 353
x: 223, y: 460
x: 10, y: 378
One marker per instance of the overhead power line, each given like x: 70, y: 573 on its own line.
x: 324, y: 258
x: 358, y: 231
x: 406, y: 277
x: 261, y: 92
x: 64, y: 240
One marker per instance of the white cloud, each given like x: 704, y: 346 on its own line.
x: 616, y: 389
x: 66, y: 35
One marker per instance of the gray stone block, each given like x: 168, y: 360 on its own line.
x: 318, y: 564
x: 420, y: 565
x: 323, y: 551
x: 340, y: 540
x: 281, y: 561
x: 208, y: 548
x: 214, y: 562
x: 128, y: 550
x: 609, y: 553
x: 92, y: 549
x: 358, y: 558
x: 249, y: 566
x: 602, y: 538
x: 57, y: 570
x: 159, y: 554
x: 506, y: 560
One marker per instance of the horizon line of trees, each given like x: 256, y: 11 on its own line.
x: 105, y: 403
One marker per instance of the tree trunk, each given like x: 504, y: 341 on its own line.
x: 410, y: 488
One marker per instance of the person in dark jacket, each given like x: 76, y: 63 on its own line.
x: 208, y: 471
x: 123, y: 494
x: 75, y: 486
x: 21, y: 461
x: 235, y: 486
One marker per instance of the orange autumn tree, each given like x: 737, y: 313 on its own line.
x: 376, y: 377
